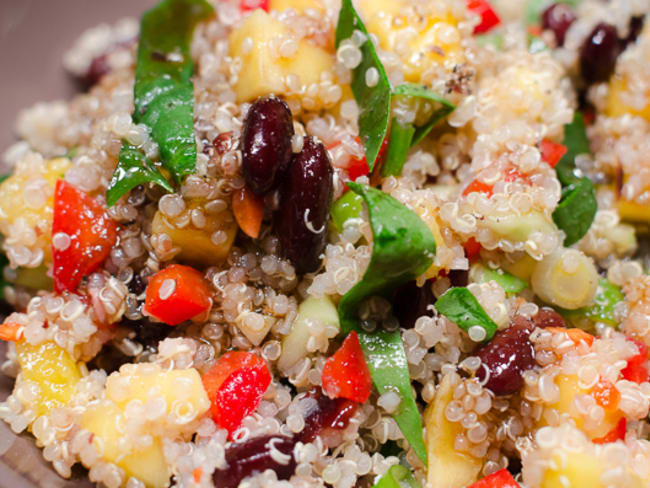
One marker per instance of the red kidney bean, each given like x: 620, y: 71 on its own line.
x: 547, y: 317
x: 558, y: 18
x: 411, y: 302
x: 599, y: 52
x: 305, y: 198
x: 506, y: 356
x: 323, y: 413
x: 266, y: 143
x: 636, y: 26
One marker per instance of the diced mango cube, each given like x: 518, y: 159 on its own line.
x: 34, y: 211
x: 299, y: 6
x: 447, y: 468
x: 197, y: 245
x: 263, y: 70
x: 51, y: 368
x: 616, y: 106
x: 575, y: 469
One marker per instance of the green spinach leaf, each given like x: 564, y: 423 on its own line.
x: 399, y: 143
x: 461, y: 307
x: 397, y: 476
x: 373, y: 102
x: 576, y: 142
x: 602, y: 310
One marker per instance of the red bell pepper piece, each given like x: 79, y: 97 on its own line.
x: 635, y: 369
x: 478, y: 186
x: 500, y: 479
x: 616, y: 434
x: 346, y: 374
x: 359, y: 167
x: 235, y: 385
x: 250, y: 5
x: 11, y: 331
x: 472, y: 248
x: 606, y: 395
x: 92, y: 234
x: 552, y: 152
x: 489, y: 17
x: 176, y: 294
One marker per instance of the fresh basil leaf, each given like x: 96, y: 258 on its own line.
x: 576, y: 210
x: 373, y: 102
x: 403, y: 248
x: 397, y: 476
x: 163, y: 90
x: 461, y: 307
x: 399, y: 143
x: 576, y: 142
x: 419, y: 91
x: 133, y: 169
x: 386, y: 360
x: 509, y: 282
x: 4, y: 177
x: 608, y: 295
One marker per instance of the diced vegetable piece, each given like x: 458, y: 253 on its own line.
x: 460, y: 306
x: 294, y: 344
x: 472, y: 248
x: 52, y: 369
x: 507, y: 281
x: 520, y: 227
x: 617, y: 106
x: 448, y: 468
x: 200, y: 246
x: 522, y: 268
x: 176, y: 294
x: 571, y: 468
x: 34, y: 278
x: 632, y: 211
x: 83, y: 224
x: 349, y: 206
x: 566, y: 278
x: 248, y: 209
x: 250, y: 5
x: 11, y: 331
x: 14, y: 207
x: 552, y: 152
x: 636, y: 366
x: 578, y: 336
x: 616, y: 434
x: 489, y: 17
x: 235, y: 385
x: 398, y: 476
x: 345, y: 374
x: 500, y: 479
x: 299, y: 6
x: 262, y: 72
x: 602, y: 310
x: 477, y: 186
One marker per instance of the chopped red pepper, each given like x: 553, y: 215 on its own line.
x: 359, y: 167
x: 11, y: 331
x: 489, y: 17
x: 500, y: 479
x: 606, y: 395
x: 635, y: 369
x: 616, y: 434
x: 250, y: 5
x: 346, y: 374
x: 477, y: 186
x: 472, y: 248
x: 512, y: 173
x: 176, y: 294
x: 90, y: 231
x: 552, y: 152
x: 235, y: 386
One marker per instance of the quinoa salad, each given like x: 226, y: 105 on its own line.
x: 310, y: 243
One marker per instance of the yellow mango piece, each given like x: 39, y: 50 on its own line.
x: 522, y: 268
x: 616, y: 106
x: 52, y: 369
x: 14, y: 206
x: 393, y: 21
x: 196, y: 244
x: 574, y: 469
x: 447, y: 468
x: 299, y: 6
x: 147, y: 464
x: 633, y: 212
x: 263, y: 72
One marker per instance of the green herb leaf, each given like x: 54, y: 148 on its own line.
x: 4, y: 177
x: 403, y: 248
x: 461, y: 307
x: 349, y: 206
x: 374, y: 102
x: 576, y: 142
x: 602, y: 310
x: 163, y: 90
x: 576, y: 210
x: 397, y: 476
x: 132, y: 170
x: 494, y: 39
x: 386, y: 359
x: 509, y: 282
x: 401, y: 137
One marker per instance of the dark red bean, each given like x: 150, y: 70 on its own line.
x: 411, y: 302
x: 253, y: 456
x: 599, y: 52
x: 547, y: 317
x: 323, y: 414
x: 137, y: 285
x: 305, y: 198
x: 636, y: 26
x: 266, y: 143
x: 558, y: 18
x: 147, y: 333
x: 506, y: 356
x: 98, y: 68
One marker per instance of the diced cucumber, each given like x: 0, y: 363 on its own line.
x: 510, y: 283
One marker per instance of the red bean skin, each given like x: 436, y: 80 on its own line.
x: 323, y: 413
x: 266, y: 144
x: 599, y: 52
x: 506, y: 356
x: 305, y: 199
x: 411, y: 302
x: 547, y: 317
x: 558, y: 18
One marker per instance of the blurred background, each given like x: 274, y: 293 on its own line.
x: 34, y: 34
